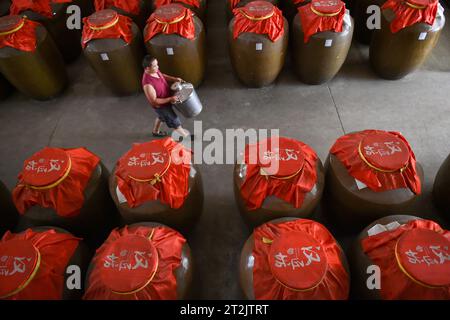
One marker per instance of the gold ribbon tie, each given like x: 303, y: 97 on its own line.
x: 414, y: 6
x: 22, y: 23
x: 166, y: 24
x: 257, y: 18
x: 325, y: 14
x: 106, y: 26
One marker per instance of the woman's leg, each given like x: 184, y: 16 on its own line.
x: 157, y: 125
x: 182, y: 131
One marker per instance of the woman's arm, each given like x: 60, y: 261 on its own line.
x: 150, y: 93
x: 170, y: 78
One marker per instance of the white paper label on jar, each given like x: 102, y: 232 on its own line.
x: 259, y: 46
x: 192, y: 172
x: 120, y: 196
x: 328, y: 42
x: 379, y: 228
x: 360, y: 185
x: 393, y: 225
x: 169, y: 51
x: 422, y: 35
x: 243, y: 171
x: 104, y: 56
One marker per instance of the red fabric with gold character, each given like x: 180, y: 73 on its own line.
x: 192, y: 3
x: 35, y: 264
x: 148, y: 273
x: 115, y: 26
x: 43, y: 7
x: 414, y: 260
x: 171, y: 19
x: 298, y: 260
x: 382, y: 160
x: 321, y: 15
x: 295, y: 178
x: 156, y: 170
x: 18, y: 33
x: 129, y: 6
x: 410, y: 12
x: 55, y: 178
x: 260, y: 17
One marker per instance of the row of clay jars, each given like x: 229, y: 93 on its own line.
x: 147, y: 7
x: 357, y: 266
x: 39, y: 74
x: 122, y: 70
x: 349, y: 207
x: 98, y: 215
x: 315, y: 62
x: 82, y: 257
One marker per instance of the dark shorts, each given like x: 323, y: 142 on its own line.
x: 167, y: 115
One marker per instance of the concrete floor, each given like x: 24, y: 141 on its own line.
x: 88, y: 115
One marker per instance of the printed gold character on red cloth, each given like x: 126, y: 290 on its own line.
x: 294, y: 259
x: 136, y: 263
x: 59, y: 187
x: 33, y: 264
x: 414, y: 260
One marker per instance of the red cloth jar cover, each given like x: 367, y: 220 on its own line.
x: 283, y: 167
x: 192, y: 3
x: 411, y: 12
x: 18, y: 33
x: 298, y: 260
x: 170, y: 19
x: 382, y: 160
x: 234, y: 3
x: 260, y: 17
x: 414, y: 260
x: 155, y: 170
x: 33, y: 264
x: 106, y: 24
x: 43, y: 7
x: 129, y: 6
x: 321, y: 15
x: 136, y: 263
x: 55, y: 178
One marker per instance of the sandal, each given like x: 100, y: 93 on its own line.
x: 159, y: 134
